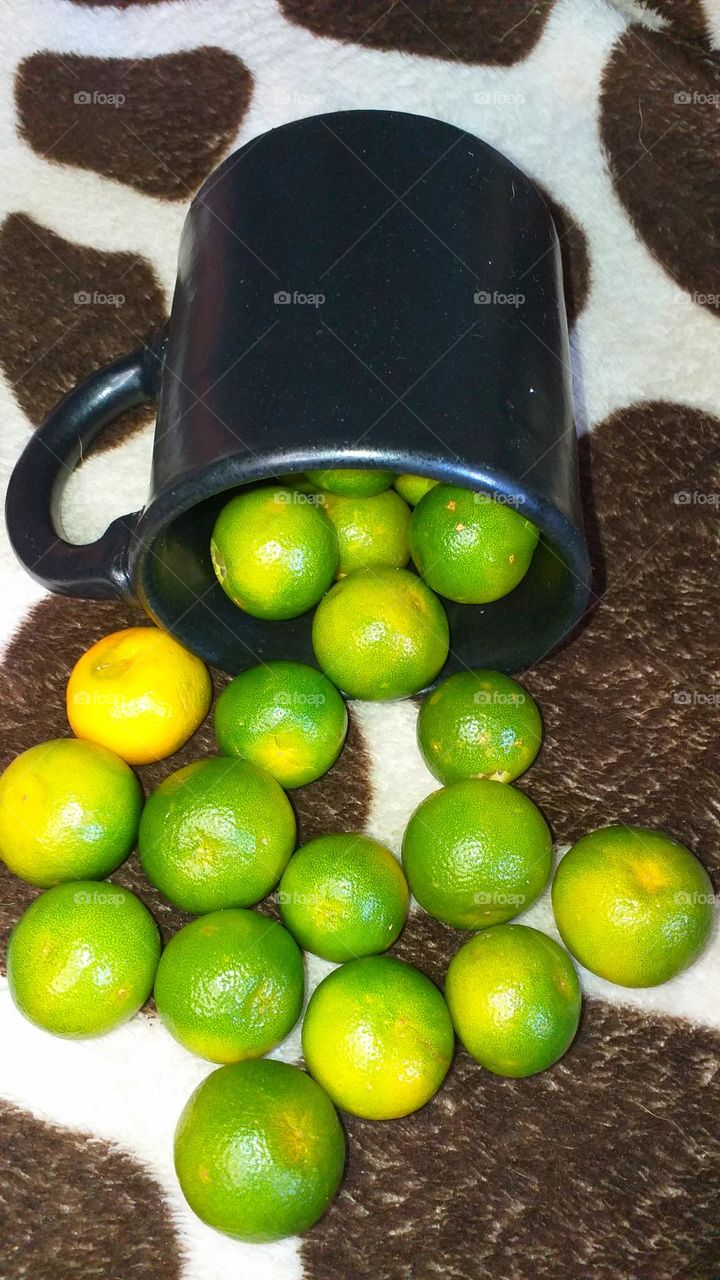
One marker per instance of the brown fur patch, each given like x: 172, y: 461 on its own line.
x: 632, y: 704
x: 58, y: 324
x: 575, y: 255
x: 604, y: 1167
x: 659, y: 127
x: 685, y: 17
x: 33, y: 678
x: 159, y: 124
x: 465, y: 31
x: 74, y: 1207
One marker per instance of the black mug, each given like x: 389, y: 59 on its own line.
x: 359, y: 289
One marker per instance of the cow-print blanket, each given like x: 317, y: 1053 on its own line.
x: 608, y: 1166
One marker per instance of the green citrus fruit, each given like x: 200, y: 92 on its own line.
x: 259, y: 1151
x: 479, y: 724
x: 413, y: 488
x: 632, y: 905
x: 370, y: 531
x: 476, y: 853
x: 469, y: 547
x: 515, y: 999
x: 217, y: 833
x: 352, y: 484
x: 230, y: 985
x: 378, y: 1036
x: 274, y: 553
x: 343, y: 896
x: 82, y: 958
x: 69, y: 810
x: 380, y: 633
x: 285, y: 717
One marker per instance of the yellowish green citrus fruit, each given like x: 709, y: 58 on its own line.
x: 413, y: 488
x: 380, y: 633
x: 285, y: 717
x: 230, y: 985
x: 469, y: 547
x: 632, y: 905
x: 378, y: 1037
x: 479, y: 724
x: 371, y: 531
x: 82, y: 958
x: 69, y: 810
x: 274, y: 552
x: 477, y: 853
x: 515, y: 999
x: 216, y: 834
x: 139, y: 693
x: 259, y: 1151
x: 352, y: 484
x: 343, y: 896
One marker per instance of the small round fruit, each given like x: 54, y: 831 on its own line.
x: 370, y: 531
x: 413, y: 488
x: 82, y: 958
x: 515, y: 999
x: 479, y: 724
x: 477, y: 853
x: 230, y: 985
x: 139, y: 693
x: 285, y: 717
x: 378, y: 1036
x: 274, y: 553
x: 259, y: 1151
x: 216, y: 834
x: 343, y: 896
x: 352, y: 484
x: 469, y: 547
x: 69, y: 810
x: 380, y: 634
x: 632, y: 905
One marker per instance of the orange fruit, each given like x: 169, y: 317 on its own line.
x: 343, y: 896
x: 476, y: 853
x: 139, y: 693
x: 274, y: 552
x: 380, y: 633
x: 352, y: 484
x: 515, y: 999
x: 82, y: 958
x: 370, y: 531
x: 216, y: 834
x: 230, y: 985
x: 285, y: 717
x: 69, y: 810
x: 413, y: 488
x: 632, y: 905
x: 468, y: 546
x: 259, y: 1151
x: 378, y: 1037
x: 479, y: 724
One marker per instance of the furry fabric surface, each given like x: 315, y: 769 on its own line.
x: 608, y: 1166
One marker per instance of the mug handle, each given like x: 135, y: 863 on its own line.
x: 97, y: 570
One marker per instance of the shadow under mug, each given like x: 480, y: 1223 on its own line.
x: 359, y: 289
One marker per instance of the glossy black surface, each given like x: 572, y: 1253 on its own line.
x: 435, y: 342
